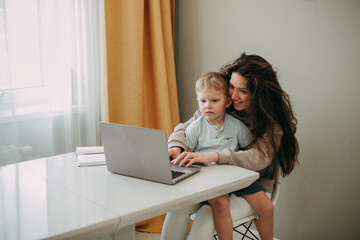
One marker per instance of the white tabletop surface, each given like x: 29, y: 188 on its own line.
x: 33, y: 208
x: 85, y: 198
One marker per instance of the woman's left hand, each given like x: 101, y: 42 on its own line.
x: 190, y: 158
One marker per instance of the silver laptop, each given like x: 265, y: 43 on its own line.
x: 141, y: 153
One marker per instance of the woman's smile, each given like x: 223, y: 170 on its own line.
x: 239, y: 92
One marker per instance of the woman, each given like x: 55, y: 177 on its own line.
x: 260, y: 102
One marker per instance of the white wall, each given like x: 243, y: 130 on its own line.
x: 315, y: 47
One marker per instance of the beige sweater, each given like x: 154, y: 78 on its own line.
x: 259, y: 158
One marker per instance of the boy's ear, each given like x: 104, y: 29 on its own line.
x: 229, y: 102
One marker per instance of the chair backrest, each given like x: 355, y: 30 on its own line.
x: 276, y: 192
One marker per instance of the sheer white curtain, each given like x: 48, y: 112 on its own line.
x: 51, y: 71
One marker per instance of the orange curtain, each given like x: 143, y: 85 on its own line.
x: 141, y: 79
x: 140, y: 63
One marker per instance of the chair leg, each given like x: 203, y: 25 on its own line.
x: 252, y: 232
x: 246, y: 232
x: 247, y: 229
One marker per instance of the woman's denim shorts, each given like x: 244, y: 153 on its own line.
x: 253, y: 188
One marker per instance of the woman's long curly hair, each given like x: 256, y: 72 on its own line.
x: 269, y: 105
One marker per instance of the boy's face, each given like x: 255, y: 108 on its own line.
x: 212, y: 104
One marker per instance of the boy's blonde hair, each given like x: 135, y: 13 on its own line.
x: 212, y: 80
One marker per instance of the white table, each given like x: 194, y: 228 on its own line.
x: 53, y: 198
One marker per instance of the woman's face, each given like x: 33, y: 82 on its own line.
x: 239, y: 92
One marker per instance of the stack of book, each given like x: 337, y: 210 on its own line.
x: 90, y: 156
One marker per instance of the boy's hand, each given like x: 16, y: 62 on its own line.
x: 174, y: 152
x: 190, y: 158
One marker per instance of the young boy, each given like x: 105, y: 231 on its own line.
x: 214, y: 131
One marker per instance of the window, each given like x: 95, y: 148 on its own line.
x: 50, y: 73
x: 19, y: 46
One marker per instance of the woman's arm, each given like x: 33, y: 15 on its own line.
x: 258, y: 157
x: 177, y: 137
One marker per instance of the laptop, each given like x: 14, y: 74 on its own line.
x: 141, y: 153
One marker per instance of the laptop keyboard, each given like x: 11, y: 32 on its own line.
x: 176, y: 174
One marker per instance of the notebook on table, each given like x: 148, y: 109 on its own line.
x: 141, y: 153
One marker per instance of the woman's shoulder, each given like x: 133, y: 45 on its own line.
x: 277, y: 132
x: 278, y: 129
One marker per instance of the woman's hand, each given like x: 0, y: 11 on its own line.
x: 190, y: 158
x: 174, y: 152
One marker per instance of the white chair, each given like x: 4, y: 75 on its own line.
x: 247, y: 215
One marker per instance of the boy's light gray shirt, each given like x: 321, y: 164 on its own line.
x: 204, y: 137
